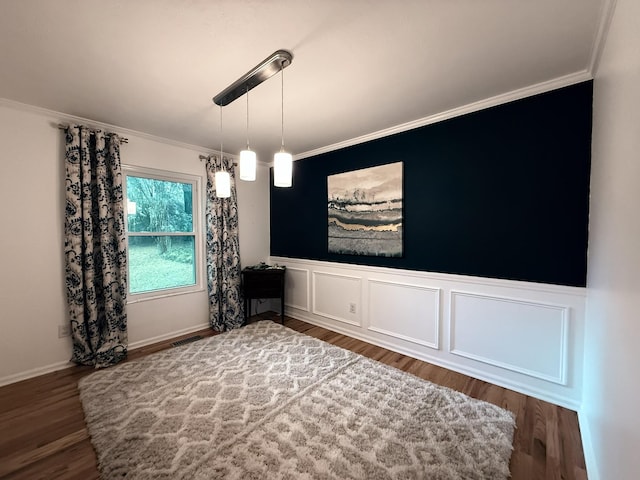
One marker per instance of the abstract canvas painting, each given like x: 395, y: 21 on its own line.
x: 365, y: 211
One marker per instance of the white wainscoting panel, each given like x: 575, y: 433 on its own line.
x: 536, y: 334
x: 405, y: 311
x: 296, y: 288
x: 525, y: 336
x: 333, y: 295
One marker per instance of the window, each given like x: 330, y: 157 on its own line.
x: 163, y: 232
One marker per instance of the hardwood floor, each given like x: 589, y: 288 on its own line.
x: 43, y: 434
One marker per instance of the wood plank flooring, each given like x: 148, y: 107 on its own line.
x: 43, y: 434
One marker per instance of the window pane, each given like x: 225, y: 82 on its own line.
x: 159, y: 205
x: 161, y: 262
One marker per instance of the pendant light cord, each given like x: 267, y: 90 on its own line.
x: 221, y: 154
x: 248, y: 118
x: 282, y: 106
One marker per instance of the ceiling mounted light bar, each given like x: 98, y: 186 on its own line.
x: 264, y: 70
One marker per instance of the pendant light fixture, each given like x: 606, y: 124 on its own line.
x: 222, y: 177
x: 282, y: 161
x: 248, y: 156
x: 277, y: 61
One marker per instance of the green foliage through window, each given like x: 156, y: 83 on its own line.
x: 161, y: 234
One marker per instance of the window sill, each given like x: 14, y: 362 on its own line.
x: 161, y: 295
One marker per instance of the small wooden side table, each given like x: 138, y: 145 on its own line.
x: 263, y: 282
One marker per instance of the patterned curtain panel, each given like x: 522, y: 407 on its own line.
x: 95, y: 247
x: 223, y: 252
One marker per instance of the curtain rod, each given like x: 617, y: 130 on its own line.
x: 204, y: 157
x: 64, y: 127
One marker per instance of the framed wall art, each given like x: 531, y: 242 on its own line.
x: 365, y: 211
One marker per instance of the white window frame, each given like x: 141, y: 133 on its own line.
x: 196, y: 182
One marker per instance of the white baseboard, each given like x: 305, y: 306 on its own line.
x: 167, y: 336
x: 587, y: 447
x: 34, y: 372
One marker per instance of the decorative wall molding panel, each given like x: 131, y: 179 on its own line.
x: 337, y: 296
x: 524, y: 336
x: 297, y: 288
x: 405, y: 311
x: 537, y: 334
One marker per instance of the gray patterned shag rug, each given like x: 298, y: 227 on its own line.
x: 266, y: 402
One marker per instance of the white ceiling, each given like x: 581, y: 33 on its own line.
x: 359, y: 66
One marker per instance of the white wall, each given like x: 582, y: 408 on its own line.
x: 524, y: 336
x: 32, y: 291
x: 610, y: 423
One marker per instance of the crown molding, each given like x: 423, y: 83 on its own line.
x: 66, y: 118
x: 61, y: 117
x: 521, y: 93
x: 600, y: 40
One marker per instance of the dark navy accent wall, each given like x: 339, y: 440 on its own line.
x: 500, y: 193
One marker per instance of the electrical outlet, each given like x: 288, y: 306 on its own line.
x: 352, y: 307
x: 64, y: 331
